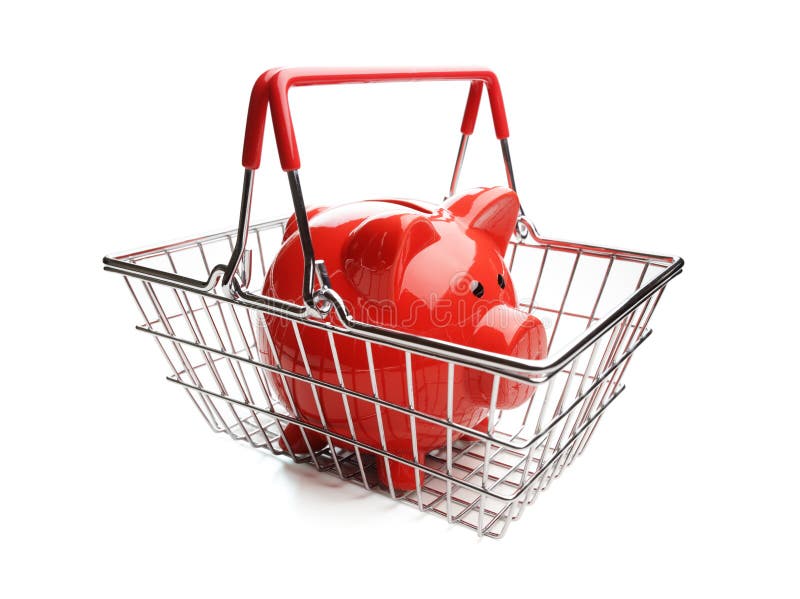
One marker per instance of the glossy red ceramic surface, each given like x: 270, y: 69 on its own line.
x: 429, y: 270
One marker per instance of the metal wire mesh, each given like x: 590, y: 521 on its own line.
x: 211, y: 343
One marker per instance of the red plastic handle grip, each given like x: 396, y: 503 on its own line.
x: 272, y: 89
x: 471, y: 110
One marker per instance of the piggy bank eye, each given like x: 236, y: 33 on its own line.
x: 501, y: 281
x: 476, y: 288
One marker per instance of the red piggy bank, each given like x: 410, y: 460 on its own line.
x: 430, y: 270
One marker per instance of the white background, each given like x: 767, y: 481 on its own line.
x: 667, y: 127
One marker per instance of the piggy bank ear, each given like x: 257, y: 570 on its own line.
x: 493, y: 210
x: 380, y: 248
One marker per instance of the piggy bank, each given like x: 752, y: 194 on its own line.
x: 429, y: 270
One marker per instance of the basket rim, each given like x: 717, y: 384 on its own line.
x: 516, y: 368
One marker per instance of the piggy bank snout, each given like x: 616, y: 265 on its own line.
x: 509, y: 331
x: 506, y: 330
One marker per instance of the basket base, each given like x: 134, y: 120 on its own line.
x: 483, y: 513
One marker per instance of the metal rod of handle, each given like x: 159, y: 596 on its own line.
x: 242, y: 228
x: 303, y: 230
x: 231, y: 286
x: 509, y: 170
x: 462, y: 149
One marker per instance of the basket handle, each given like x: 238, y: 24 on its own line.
x: 272, y: 88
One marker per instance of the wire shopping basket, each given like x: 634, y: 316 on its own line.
x: 201, y: 301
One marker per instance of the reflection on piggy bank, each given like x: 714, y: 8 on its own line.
x: 428, y: 270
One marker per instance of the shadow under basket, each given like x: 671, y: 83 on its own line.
x: 596, y: 304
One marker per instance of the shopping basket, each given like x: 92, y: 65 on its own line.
x: 200, y: 300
